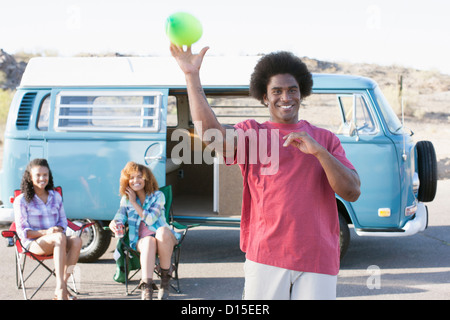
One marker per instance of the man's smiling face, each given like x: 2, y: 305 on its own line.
x: 283, y: 98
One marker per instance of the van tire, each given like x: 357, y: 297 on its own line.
x: 344, y: 235
x: 96, y: 241
x: 427, y: 170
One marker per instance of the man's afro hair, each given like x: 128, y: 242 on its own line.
x: 281, y: 62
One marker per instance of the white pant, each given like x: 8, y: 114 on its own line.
x: 264, y: 282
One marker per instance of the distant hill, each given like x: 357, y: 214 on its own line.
x: 426, y: 93
x: 420, y: 81
x: 11, y: 70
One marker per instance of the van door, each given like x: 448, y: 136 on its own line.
x: 93, y: 134
x: 375, y: 158
x: 350, y: 115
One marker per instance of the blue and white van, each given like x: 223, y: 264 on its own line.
x: 90, y: 116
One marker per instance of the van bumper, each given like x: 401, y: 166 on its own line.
x: 6, y: 215
x: 418, y: 224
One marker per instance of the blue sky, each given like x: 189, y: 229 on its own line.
x: 411, y: 33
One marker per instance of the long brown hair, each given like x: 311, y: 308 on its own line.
x: 26, y: 186
x: 151, y: 185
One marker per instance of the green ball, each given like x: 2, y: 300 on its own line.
x: 183, y: 28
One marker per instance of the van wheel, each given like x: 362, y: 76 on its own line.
x: 344, y: 235
x: 427, y: 170
x: 95, y: 241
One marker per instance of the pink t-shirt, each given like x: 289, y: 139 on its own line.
x: 289, y: 213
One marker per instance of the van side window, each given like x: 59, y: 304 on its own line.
x: 231, y: 109
x: 108, y: 111
x: 339, y: 113
x: 44, y: 114
x: 356, y: 110
x: 322, y: 110
x: 172, y: 111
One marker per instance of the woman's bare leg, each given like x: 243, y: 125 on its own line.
x: 147, y: 247
x: 165, y: 242
x: 73, y: 253
x: 55, y: 244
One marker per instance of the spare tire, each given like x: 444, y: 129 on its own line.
x: 427, y: 170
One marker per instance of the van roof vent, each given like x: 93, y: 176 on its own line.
x: 25, y: 108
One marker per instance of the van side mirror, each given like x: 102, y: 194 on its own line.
x: 349, y: 129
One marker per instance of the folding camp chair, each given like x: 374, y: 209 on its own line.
x: 129, y: 260
x: 22, y: 253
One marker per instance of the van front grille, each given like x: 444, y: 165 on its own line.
x: 25, y: 108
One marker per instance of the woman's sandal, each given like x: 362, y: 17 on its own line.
x: 69, y: 297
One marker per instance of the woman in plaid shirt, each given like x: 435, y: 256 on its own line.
x: 41, y: 222
x: 142, y: 208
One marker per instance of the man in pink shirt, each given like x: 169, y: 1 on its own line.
x: 289, y: 222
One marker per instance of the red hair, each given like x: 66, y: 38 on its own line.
x: 151, y: 185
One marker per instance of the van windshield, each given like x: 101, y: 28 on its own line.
x: 392, y: 121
